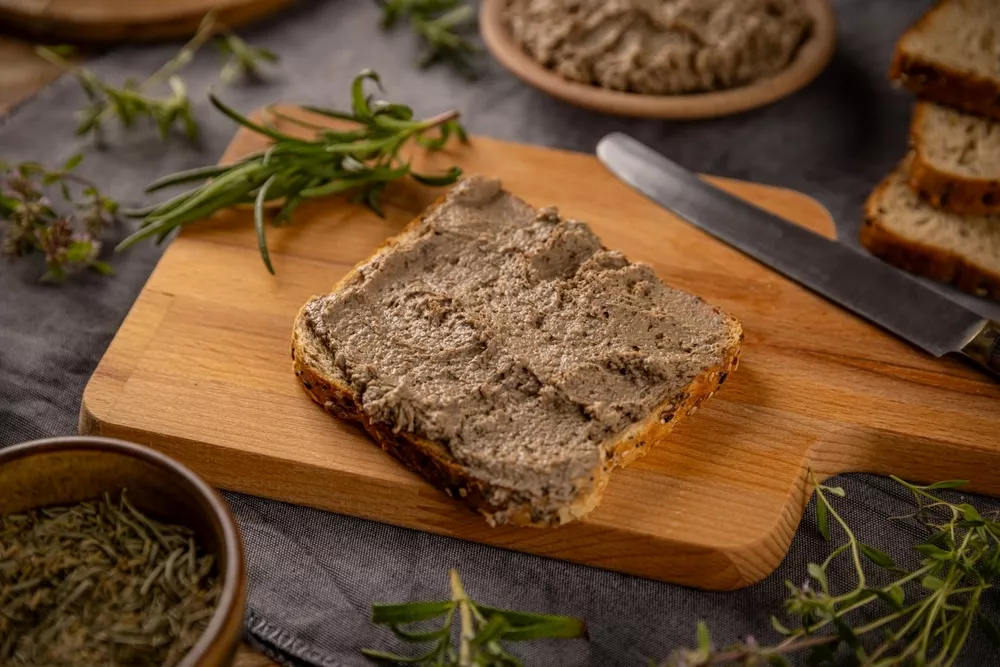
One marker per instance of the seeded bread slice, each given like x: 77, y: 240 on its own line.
x: 906, y: 231
x: 956, y: 159
x: 952, y: 56
x: 469, y: 347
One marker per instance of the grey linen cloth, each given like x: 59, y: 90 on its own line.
x: 313, y: 574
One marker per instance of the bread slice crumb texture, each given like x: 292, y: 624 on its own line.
x: 961, y: 35
x: 958, y: 143
x: 513, y: 339
x: 973, y: 239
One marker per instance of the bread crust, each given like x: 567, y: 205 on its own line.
x: 434, y: 462
x: 935, y: 263
x: 943, y: 189
x: 945, y: 85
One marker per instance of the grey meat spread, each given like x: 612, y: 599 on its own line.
x: 660, y: 47
x: 511, y: 336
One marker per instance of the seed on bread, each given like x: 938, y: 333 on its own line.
x: 432, y: 345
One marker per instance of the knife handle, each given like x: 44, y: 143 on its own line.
x: 984, y: 348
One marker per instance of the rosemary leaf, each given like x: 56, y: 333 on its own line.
x: 360, y: 161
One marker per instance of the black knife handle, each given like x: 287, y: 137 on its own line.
x: 984, y: 348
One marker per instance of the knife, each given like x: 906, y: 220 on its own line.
x: 865, y: 285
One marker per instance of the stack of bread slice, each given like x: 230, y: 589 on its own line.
x: 938, y: 214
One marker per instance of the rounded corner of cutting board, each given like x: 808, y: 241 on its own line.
x: 699, y: 546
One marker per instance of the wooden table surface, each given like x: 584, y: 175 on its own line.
x: 22, y: 74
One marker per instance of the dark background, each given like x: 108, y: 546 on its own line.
x: 313, y: 575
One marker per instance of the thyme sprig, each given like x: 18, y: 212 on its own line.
x: 363, y: 160
x: 960, y: 560
x: 438, y: 24
x: 244, y: 62
x: 132, y: 100
x: 71, y: 241
x: 480, y: 630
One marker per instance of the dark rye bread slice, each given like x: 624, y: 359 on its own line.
x: 506, y: 356
x: 904, y: 230
x: 956, y: 159
x: 952, y: 56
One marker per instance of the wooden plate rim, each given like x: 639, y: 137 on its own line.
x: 811, y: 59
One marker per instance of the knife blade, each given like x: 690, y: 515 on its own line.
x: 864, y: 285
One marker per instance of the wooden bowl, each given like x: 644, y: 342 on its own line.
x: 62, y: 471
x: 108, y: 21
x: 810, y: 60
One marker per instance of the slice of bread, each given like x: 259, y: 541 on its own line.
x: 956, y: 159
x: 952, y: 56
x: 906, y: 231
x: 506, y: 356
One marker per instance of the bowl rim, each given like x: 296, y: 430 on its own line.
x: 812, y: 58
x: 232, y: 599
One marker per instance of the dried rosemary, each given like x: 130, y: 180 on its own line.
x: 100, y: 583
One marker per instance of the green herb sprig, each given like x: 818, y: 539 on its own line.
x: 133, y: 101
x: 70, y: 241
x: 438, y: 24
x: 480, y: 630
x: 960, y: 561
x: 363, y: 160
x: 245, y: 62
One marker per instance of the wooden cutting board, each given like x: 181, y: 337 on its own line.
x: 201, y: 371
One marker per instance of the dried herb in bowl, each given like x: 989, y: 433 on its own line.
x: 100, y: 583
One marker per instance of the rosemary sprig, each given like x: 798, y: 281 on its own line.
x: 961, y: 559
x: 480, y: 630
x: 245, y: 62
x: 438, y: 24
x: 70, y: 242
x: 132, y: 100
x: 363, y: 160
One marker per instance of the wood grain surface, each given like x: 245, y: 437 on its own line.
x: 201, y: 370
x: 126, y: 20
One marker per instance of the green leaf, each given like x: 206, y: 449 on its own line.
x: 73, y: 162
x: 931, y: 583
x: 359, y: 102
x: 704, y: 638
x: 880, y: 558
x: 948, y: 484
x: 393, y: 657
x: 412, y: 612
x: 835, y: 490
x: 817, y: 573
x: 988, y: 628
x: 933, y: 551
x: 79, y: 251
x: 62, y: 50
x: 969, y: 512
x: 258, y: 218
x: 777, y: 625
x: 846, y: 633
x: 438, y: 180
x: 420, y: 637
x: 102, y: 268
x: 492, y: 630
x: 524, y: 626
x: 893, y: 597
x: 778, y: 660
x: 822, y: 518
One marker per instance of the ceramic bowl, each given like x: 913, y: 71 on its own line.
x: 62, y: 471
x: 811, y: 59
